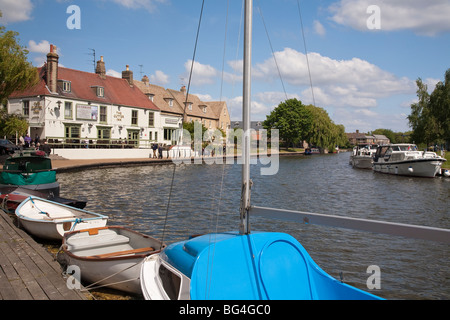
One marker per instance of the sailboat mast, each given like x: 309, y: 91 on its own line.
x: 244, y: 227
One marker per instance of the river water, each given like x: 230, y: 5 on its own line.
x: 173, y: 202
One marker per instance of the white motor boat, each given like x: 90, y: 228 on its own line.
x: 362, y: 156
x: 50, y: 220
x: 405, y: 159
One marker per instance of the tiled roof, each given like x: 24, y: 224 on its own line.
x: 161, y: 97
x: 83, y: 87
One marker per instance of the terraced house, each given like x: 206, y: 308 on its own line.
x: 177, y: 106
x: 73, y: 108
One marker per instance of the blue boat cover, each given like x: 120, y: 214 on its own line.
x: 256, y: 266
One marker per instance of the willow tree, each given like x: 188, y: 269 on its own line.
x: 16, y: 73
x: 292, y: 119
x: 324, y: 132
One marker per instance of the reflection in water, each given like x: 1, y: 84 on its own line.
x: 205, y: 198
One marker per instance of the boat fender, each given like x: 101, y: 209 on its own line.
x: 446, y: 173
x: 410, y: 169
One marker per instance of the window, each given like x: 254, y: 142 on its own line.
x: 204, y: 109
x: 134, y: 117
x: 190, y: 106
x: 156, y: 136
x: 103, y: 114
x: 150, y: 96
x: 26, y: 108
x: 170, y: 102
x: 151, y: 119
x: 68, y: 110
x: 100, y: 92
x: 150, y: 135
x: 66, y: 86
x: 72, y: 131
x: 168, y: 134
x: 103, y: 133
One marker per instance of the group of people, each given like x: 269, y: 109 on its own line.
x: 159, y: 148
x: 26, y: 142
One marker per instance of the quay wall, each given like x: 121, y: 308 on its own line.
x: 92, y: 154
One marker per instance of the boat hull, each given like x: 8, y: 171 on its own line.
x: 362, y: 162
x: 109, y: 256
x: 414, y: 168
x: 50, y: 220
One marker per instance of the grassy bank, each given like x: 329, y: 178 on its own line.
x: 446, y: 164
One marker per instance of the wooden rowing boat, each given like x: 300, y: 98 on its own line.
x: 109, y: 256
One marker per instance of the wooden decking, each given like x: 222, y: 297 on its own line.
x: 27, y: 270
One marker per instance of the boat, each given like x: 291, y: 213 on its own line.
x: 241, y: 265
x: 30, y: 169
x: 311, y: 151
x: 405, y: 159
x: 50, y: 220
x: 109, y: 256
x: 362, y: 156
x: 11, y: 197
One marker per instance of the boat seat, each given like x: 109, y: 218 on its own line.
x: 107, y: 240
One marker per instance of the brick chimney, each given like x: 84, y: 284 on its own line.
x: 101, y: 69
x: 128, y: 75
x: 145, y: 80
x: 52, y: 69
x: 183, y: 90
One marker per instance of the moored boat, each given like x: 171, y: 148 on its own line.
x: 50, y: 220
x: 405, y: 159
x: 362, y: 156
x: 110, y: 256
x: 30, y: 169
x: 12, y: 197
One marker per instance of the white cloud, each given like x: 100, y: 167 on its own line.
x: 354, y: 83
x: 15, y: 11
x: 159, y: 78
x: 319, y: 28
x: 149, y: 5
x: 201, y: 73
x: 41, y: 47
x: 114, y: 73
x: 423, y: 17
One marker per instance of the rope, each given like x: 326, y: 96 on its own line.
x: 193, y: 59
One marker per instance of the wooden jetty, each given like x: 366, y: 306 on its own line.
x: 27, y: 270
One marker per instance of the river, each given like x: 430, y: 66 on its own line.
x: 205, y: 198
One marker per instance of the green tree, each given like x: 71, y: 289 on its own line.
x: 292, y: 119
x: 16, y: 73
x: 430, y: 116
x: 12, y: 124
x: 324, y: 132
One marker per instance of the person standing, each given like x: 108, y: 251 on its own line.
x: 27, y: 141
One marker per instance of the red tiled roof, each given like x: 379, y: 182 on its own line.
x: 116, y: 91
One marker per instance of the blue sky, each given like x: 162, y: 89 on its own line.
x: 363, y: 63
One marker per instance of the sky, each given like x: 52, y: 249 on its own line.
x: 357, y: 59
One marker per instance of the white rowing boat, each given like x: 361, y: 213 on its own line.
x: 109, y: 256
x: 50, y: 220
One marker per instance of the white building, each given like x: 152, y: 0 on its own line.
x: 72, y: 108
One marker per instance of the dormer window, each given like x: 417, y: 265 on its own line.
x: 150, y: 96
x: 190, y: 105
x: 204, y: 109
x: 99, y: 91
x: 65, y: 85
